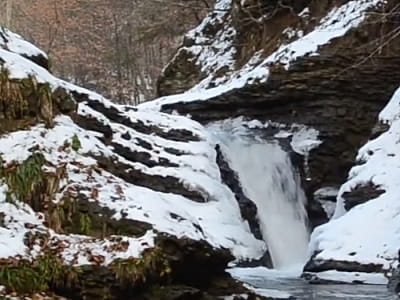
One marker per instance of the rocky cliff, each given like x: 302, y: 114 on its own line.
x: 101, y: 201
x: 330, y: 65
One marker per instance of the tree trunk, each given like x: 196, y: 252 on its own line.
x: 9, y: 4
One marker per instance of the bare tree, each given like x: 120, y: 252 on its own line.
x: 116, y: 47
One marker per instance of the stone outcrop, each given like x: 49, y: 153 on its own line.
x: 248, y: 208
x: 16, y: 44
x: 361, y: 194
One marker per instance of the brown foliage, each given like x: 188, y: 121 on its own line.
x: 116, y: 47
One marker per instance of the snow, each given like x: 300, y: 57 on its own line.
x: 336, y: 24
x: 213, y: 54
x: 20, y: 67
x: 216, y: 220
x: 79, y: 249
x: 219, y: 218
x: 12, y: 234
x: 390, y: 113
x: 353, y: 277
x: 347, y: 236
x: 275, y: 294
x: 16, y: 44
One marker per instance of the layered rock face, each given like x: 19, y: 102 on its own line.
x: 101, y: 201
x: 339, y: 92
x: 330, y: 65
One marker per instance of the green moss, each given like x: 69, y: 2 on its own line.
x: 12, y: 97
x: 24, y: 180
x: 76, y: 143
x: 151, y: 265
x: 85, y: 224
x: 47, y: 271
x: 25, y: 98
x: 57, y: 218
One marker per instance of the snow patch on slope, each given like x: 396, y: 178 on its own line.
x: 336, y: 24
x: 16, y: 44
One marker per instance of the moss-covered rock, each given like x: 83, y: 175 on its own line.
x: 29, y: 183
x: 27, y: 100
x: 64, y: 101
x: 78, y: 215
x: 40, y: 275
x: 24, y: 98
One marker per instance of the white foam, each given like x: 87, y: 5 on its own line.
x: 268, y: 179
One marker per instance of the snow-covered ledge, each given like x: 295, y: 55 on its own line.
x: 367, y: 237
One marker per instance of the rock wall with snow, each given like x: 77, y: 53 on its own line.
x: 366, y: 237
x: 99, y: 200
x: 329, y: 65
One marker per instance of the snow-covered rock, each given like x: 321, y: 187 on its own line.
x: 16, y: 44
x: 366, y: 238
x: 314, y: 72
x: 217, y: 53
x: 307, y: 65
x: 89, y: 184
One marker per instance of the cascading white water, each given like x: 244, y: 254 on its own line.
x: 269, y: 180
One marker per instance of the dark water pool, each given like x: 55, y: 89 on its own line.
x: 301, y: 289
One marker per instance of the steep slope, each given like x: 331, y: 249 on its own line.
x: 100, y: 200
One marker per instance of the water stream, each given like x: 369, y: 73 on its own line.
x: 290, y: 283
x: 269, y: 180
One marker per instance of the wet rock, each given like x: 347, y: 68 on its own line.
x: 64, y: 101
x: 180, y: 135
x: 166, y: 184
x: 100, y: 220
x: 180, y: 75
x: 316, y: 265
x: 361, y: 194
x: 314, y: 279
x: 141, y: 156
x: 91, y: 123
x: 183, y: 256
x: 248, y: 208
x: 40, y: 60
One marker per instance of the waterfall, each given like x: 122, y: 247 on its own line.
x: 268, y: 178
